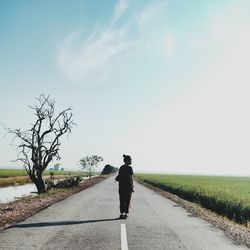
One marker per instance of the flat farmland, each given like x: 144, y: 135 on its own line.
x: 10, y: 177
x: 5, y: 173
x: 228, y: 196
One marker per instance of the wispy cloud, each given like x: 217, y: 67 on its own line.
x: 158, y: 38
x: 150, y: 11
x: 81, y: 62
x: 120, y: 7
x: 82, y: 57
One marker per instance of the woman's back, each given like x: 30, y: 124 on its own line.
x: 125, y: 173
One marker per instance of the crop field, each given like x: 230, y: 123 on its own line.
x: 5, y: 173
x: 10, y: 177
x: 228, y: 196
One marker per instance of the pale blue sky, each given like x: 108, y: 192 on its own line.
x: 164, y: 81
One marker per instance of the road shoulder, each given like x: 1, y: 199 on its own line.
x: 19, y: 210
x: 239, y: 234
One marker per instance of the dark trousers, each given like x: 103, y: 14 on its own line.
x: 125, y: 196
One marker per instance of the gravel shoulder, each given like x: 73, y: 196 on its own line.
x: 238, y: 233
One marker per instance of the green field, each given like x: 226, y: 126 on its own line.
x: 228, y: 196
x: 5, y: 173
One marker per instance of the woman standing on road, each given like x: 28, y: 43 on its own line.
x: 126, y: 186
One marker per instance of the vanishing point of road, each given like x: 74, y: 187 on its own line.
x: 88, y: 220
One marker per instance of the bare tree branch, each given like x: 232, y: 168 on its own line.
x: 40, y: 144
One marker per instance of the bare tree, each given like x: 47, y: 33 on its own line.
x: 90, y: 163
x: 40, y: 144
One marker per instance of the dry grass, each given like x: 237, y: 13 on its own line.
x: 21, y: 180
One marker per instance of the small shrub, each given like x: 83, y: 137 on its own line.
x: 66, y: 183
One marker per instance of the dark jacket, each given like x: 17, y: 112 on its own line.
x: 125, y: 172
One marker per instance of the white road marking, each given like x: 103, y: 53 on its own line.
x: 124, y: 242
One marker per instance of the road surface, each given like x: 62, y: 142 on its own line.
x: 88, y: 220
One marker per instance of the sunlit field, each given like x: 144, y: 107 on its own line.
x: 228, y: 196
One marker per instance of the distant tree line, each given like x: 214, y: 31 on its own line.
x: 108, y: 169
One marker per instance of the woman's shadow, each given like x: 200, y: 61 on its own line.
x: 61, y: 223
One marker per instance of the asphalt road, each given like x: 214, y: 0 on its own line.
x: 88, y: 220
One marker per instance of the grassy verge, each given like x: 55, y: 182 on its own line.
x: 228, y: 196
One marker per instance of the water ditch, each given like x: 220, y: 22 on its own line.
x: 8, y: 194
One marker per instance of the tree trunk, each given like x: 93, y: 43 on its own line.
x: 40, y: 185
